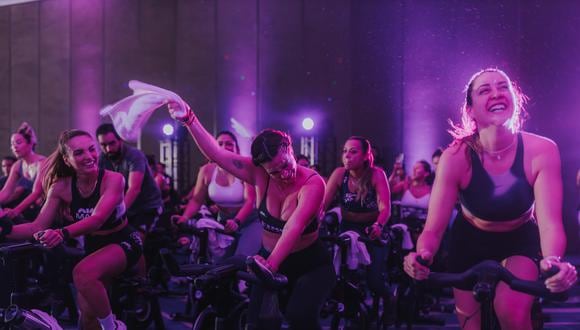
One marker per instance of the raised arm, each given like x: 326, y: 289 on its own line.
x: 237, y: 165
x: 310, y: 200
x: 332, y: 187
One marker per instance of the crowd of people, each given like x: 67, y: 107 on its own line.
x: 499, y: 186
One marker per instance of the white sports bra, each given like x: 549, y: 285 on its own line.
x: 226, y: 196
x: 410, y: 200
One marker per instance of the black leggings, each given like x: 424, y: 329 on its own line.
x: 311, y: 279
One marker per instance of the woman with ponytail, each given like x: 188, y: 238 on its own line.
x: 365, y: 203
x: 23, y: 173
x: 94, y: 198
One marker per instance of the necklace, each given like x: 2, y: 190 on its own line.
x: 497, y: 154
x: 87, y: 192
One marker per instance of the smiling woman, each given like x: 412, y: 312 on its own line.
x: 510, y: 188
x: 94, y: 197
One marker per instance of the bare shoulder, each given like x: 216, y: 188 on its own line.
x: 207, y: 169
x: 311, y: 175
x: 339, y: 171
x: 537, y: 144
x: 336, y: 176
x: 61, y: 188
x: 453, y: 162
x: 378, y: 172
x: 455, y: 152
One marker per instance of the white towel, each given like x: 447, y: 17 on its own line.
x: 217, y: 243
x: 407, y: 243
x: 357, y: 253
x: 131, y: 113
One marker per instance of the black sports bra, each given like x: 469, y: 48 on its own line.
x: 499, y: 197
x: 274, y: 225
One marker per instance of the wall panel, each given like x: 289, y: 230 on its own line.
x: 5, y: 103
x: 86, y: 63
x: 54, y: 107
x: 24, y: 63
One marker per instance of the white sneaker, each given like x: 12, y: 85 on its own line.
x: 47, y: 319
x: 119, y: 325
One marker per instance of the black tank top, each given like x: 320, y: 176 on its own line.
x: 275, y: 225
x: 502, y: 197
x: 349, y: 202
x: 81, y: 208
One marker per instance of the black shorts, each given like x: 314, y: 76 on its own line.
x: 469, y: 245
x: 127, y: 238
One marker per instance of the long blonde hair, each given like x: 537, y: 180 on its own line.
x: 365, y: 183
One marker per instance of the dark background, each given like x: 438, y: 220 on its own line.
x: 393, y: 71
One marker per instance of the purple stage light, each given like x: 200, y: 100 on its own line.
x: 308, y: 123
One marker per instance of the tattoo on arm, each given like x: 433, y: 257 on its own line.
x: 238, y: 164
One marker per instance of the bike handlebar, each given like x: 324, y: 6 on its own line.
x: 492, y: 271
x: 14, y: 249
x: 261, y: 274
x: 344, y: 240
x: 236, y: 267
x: 21, y: 247
x: 193, y: 230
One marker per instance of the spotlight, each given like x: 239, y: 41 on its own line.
x: 308, y: 123
x: 168, y: 129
